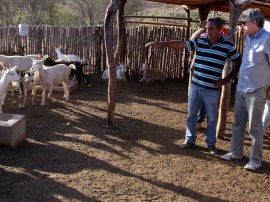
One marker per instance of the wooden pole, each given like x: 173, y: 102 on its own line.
x: 235, y: 12
x: 111, y: 57
x: 108, y: 24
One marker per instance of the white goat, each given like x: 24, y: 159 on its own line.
x: 24, y: 63
x: 120, y: 73
x: 8, y: 76
x: 152, y: 74
x: 52, y: 76
x: 68, y: 58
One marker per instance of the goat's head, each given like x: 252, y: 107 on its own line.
x: 58, y: 50
x: 121, y: 67
x: 36, y: 65
x: 29, y: 76
x: 12, y: 75
x: 144, y: 67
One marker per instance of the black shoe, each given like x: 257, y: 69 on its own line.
x: 212, y: 149
x: 187, y: 145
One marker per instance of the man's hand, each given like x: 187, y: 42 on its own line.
x: 220, y: 83
x: 154, y: 44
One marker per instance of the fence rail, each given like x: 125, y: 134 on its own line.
x: 88, y: 42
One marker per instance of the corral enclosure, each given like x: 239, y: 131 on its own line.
x: 70, y: 156
x: 88, y: 42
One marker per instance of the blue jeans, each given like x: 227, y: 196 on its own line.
x: 210, y: 99
x: 201, y: 114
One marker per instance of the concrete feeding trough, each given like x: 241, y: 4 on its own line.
x: 12, y: 129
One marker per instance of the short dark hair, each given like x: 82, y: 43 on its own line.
x: 217, y: 20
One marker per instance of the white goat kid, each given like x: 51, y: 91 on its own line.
x: 68, y: 58
x: 52, y: 76
x: 152, y: 74
x: 30, y: 82
x: 120, y: 73
x: 8, y: 76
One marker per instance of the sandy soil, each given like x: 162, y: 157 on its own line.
x: 69, y: 156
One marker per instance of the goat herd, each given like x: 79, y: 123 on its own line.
x: 48, y: 73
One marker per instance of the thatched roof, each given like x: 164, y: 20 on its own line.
x: 220, y: 5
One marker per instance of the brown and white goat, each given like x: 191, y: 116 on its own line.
x: 152, y: 74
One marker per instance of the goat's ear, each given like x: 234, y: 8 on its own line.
x: 5, y: 68
x: 45, y: 57
x: 15, y: 67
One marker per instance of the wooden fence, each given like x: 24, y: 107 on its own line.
x: 87, y: 42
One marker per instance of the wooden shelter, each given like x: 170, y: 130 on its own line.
x: 221, y: 5
x: 235, y: 8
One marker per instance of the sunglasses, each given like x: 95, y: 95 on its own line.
x: 244, y: 23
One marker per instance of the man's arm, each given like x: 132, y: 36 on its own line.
x: 231, y: 75
x: 169, y: 44
x: 198, y: 33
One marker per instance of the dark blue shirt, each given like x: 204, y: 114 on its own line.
x: 210, y: 60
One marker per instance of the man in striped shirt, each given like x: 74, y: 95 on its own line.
x: 211, y: 54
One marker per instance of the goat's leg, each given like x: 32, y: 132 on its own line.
x: 74, y: 77
x: 25, y: 96
x: 43, y: 96
x: 33, y: 95
x: 83, y: 75
x: 50, y: 93
x: 66, y: 89
x: 13, y: 97
x: 21, y: 95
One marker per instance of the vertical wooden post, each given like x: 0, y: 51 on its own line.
x: 235, y: 12
x: 98, y: 53
x: 112, y: 58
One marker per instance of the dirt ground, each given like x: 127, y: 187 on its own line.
x: 70, y: 156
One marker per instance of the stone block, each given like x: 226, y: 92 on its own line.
x: 12, y: 129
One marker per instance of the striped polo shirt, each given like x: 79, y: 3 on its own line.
x: 210, y: 60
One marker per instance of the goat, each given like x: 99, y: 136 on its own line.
x: 78, y: 72
x: 68, y: 58
x: 30, y: 82
x: 152, y: 74
x: 20, y: 51
x: 8, y: 76
x: 120, y: 73
x: 52, y: 76
x: 24, y: 63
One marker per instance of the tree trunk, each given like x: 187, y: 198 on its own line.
x: 112, y: 58
x: 108, y: 24
x: 235, y: 12
x: 121, y: 28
